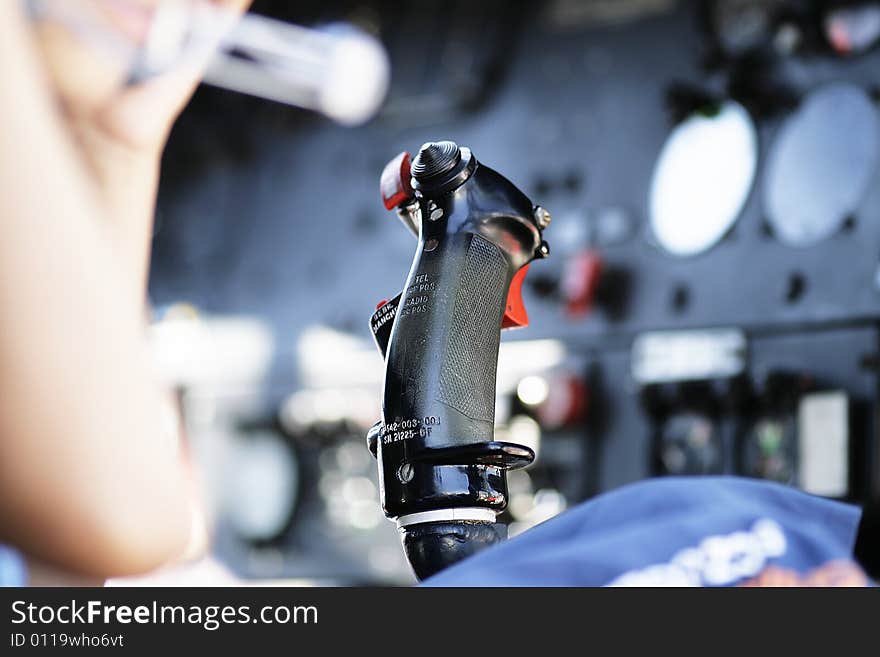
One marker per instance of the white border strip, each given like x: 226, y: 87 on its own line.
x: 441, y: 515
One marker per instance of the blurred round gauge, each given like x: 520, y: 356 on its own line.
x: 769, y: 449
x: 702, y: 179
x: 262, y: 486
x: 690, y: 444
x: 821, y: 164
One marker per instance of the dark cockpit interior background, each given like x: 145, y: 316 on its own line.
x: 710, y: 305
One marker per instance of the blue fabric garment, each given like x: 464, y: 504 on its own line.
x: 13, y: 571
x: 697, y: 531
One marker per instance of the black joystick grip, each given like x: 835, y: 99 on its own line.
x: 436, y: 449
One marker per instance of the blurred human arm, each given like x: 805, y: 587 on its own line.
x: 90, y: 476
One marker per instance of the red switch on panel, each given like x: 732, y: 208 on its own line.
x: 581, y: 281
x: 567, y: 403
x: 557, y: 399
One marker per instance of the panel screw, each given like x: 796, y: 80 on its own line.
x: 405, y: 473
x: 542, y: 217
x: 543, y: 250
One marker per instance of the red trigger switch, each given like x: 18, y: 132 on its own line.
x: 395, y: 184
x: 515, y: 315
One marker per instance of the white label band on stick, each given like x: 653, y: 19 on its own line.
x: 479, y: 514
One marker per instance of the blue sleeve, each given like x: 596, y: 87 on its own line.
x: 695, y: 531
x: 13, y: 571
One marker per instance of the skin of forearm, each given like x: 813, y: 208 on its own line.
x: 129, y: 183
x: 87, y: 481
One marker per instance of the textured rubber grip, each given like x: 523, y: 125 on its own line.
x: 436, y: 444
x: 467, y: 377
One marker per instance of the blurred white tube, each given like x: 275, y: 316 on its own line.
x: 337, y: 70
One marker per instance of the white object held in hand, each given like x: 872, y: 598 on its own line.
x: 337, y: 70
